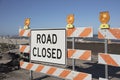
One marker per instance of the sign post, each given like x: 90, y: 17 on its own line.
x: 73, y: 47
x: 106, y: 51
x: 48, y: 45
x: 104, y: 19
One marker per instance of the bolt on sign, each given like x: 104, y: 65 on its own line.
x: 48, y: 45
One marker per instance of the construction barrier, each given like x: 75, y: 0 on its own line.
x: 54, y: 71
x: 79, y: 54
x: 80, y: 32
x: 24, y: 49
x: 109, y: 59
x: 62, y: 73
x: 105, y: 58
x: 111, y: 33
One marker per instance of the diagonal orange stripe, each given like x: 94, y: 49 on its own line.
x: 39, y: 68
x: 29, y: 66
x: 108, y: 59
x: 22, y: 48
x: 21, y: 63
x: 70, y: 31
x: 21, y: 32
x: 85, y: 55
x: 51, y: 70
x: 80, y: 76
x: 115, y: 33
x: 71, y: 52
x: 100, y: 36
x: 86, y: 32
x: 64, y: 73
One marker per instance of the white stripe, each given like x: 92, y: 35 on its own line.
x: 106, y: 33
x: 77, y: 32
x: 58, y: 72
x: 27, y: 49
x: 116, y: 58
x: 91, y: 33
x: 89, y: 58
x: 110, y: 35
x: 102, y: 32
x: 24, y: 65
x: 34, y: 67
x: 72, y: 75
x: 20, y: 46
x: 100, y: 59
x: 78, y: 53
x: 45, y: 69
x: 25, y: 33
x: 89, y: 77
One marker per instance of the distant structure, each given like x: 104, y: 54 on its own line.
x: 27, y: 23
x: 70, y: 21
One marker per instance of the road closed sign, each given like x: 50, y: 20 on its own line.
x: 48, y: 45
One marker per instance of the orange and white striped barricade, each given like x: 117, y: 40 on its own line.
x: 80, y: 32
x: 79, y: 54
x: 54, y: 71
x: 24, y: 48
x: 112, y: 33
x: 109, y: 59
x: 103, y: 79
x: 24, y: 33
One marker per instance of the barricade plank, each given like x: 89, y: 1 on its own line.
x: 24, y: 48
x: 109, y: 59
x: 54, y: 71
x: 79, y: 54
x: 80, y: 32
x: 24, y: 33
x: 112, y: 33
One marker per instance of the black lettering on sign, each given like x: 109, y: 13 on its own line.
x: 38, y: 52
x: 49, y: 54
x: 48, y: 39
x: 59, y: 53
x: 54, y: 38
x: 34, y: 51
x: 43, y: 38
x: 38, y: 38
x: 43, y: 52
x: 53, y: 53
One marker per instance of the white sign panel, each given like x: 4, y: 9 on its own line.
x: 48, y: 45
